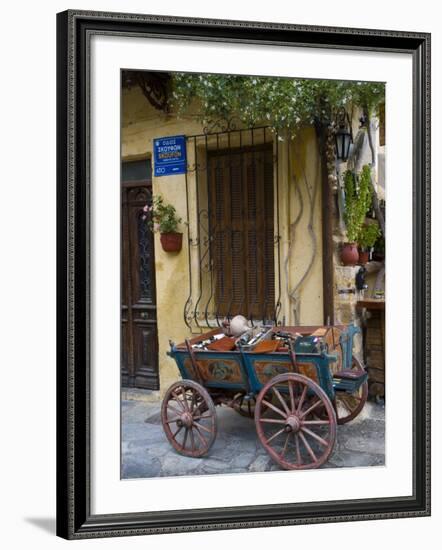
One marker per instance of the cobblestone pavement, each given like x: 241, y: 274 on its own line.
x: 147, y: 453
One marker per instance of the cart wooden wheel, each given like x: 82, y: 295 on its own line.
x: 286, y: 424
x: 189, y: 418
x: 349, y: 405
x: 244, y: 407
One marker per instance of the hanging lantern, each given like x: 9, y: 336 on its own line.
x: 343, y: 135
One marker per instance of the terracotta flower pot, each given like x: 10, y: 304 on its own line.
x: 171, y: 242
x: 364, y: 256
x: 349, y: 254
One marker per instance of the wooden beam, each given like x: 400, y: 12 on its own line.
x: 327, y: 229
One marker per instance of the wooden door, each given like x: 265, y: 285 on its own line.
x: 139, y: 337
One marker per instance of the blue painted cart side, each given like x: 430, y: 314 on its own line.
x: 248, y: 372
x: 218, y: 370
x: 347, y: 343
x: 263, y: 367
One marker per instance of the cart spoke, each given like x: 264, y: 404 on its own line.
x: 178, y: 400
x: 298, y: 451
x: 272, y: 421
x: 185, y: 438
x: 279, y: 396
x: 305, y: 413
x: 192, y: 439
x: 177, y: 432
x: 204, y: 428
x: 275, y: 435
x: 244, y: 406
x: 343, y: 403
x: 349, y: 401
x: 270, y: 406
x: 301, y: 400
x: 292, y: 397
x: 284, y: 449
x: 171, y: 420
x: 315, y: 436
x: 175, y: 410
x: 200, y: 435
x: 203, y: 416
x: 185, y: 401
x: 192, y: 402
x: 307, y: 446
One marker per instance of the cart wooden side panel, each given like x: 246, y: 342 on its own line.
x: 215, y: 369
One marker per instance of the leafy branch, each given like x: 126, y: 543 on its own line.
x: 282, y: 103
x: 358, y: 199
x: 163, y: 217
x: 368, y: 235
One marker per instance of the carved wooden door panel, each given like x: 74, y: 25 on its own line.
x: 139, y: 337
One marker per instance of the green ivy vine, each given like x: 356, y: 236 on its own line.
x: 282, y: 103
x: 368, y: 235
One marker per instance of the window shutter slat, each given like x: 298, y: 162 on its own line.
x: 242, y: 232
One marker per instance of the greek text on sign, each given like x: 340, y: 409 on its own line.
x: 170, y: 156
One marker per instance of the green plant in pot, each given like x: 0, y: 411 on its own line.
x: 368, y: 235
x: 163, y: 218
x: 357, y: 203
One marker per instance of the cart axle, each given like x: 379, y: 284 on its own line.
x: 293, y: 424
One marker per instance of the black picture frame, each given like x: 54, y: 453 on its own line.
x: 74, y: 518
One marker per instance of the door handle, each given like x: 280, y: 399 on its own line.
x: 144, y: 315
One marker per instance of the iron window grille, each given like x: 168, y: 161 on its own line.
x: 234, y: 257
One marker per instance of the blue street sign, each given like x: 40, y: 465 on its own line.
x: 169, y: 155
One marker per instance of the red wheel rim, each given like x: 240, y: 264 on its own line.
x: 189, y: 418
x: 287, y: 424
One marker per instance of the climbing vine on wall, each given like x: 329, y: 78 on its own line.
x: 282, y: 103
x: 286, y: 105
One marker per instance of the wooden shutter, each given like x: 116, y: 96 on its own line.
x: 241, y: 231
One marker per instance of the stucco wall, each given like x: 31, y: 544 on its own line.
x: 301, y: 230
x: 298, y: 175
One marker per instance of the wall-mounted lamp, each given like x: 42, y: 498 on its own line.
x: 343, y: 135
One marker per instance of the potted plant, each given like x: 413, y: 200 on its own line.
x: 357, y: 202
x: 368, y: 235
x: 163, y: 218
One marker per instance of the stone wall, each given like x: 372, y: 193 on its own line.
x: 345, y: 302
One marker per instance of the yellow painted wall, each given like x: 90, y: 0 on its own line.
x: 141, y: 124
x: 303, y: 240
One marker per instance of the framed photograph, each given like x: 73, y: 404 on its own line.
x: 243, y: 274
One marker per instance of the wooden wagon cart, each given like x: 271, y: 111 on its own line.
x: 297, y: 382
